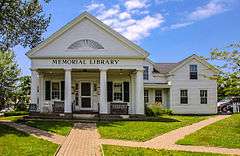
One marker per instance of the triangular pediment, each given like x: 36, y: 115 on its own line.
x: 86, y: 36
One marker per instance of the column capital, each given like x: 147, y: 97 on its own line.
x: 68, y: 69
x: 140, y: 69
x: 103, y: 69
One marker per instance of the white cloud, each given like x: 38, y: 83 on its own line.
x: 95, y: 6
x: 135, y: 4
x: 131, y: 20
x: 141, y: 28
x: 214, y: 7
x: 180, y: 25
x: 124, y: 15
x: 109, y: 12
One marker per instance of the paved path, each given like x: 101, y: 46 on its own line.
x: 58, y: 139
x: 167, y: 140
x: 83, y: 140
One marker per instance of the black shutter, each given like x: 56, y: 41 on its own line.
x: 109, y: 91
x: 62, y: 90
x: 126, y: 91
x: 47, y: 90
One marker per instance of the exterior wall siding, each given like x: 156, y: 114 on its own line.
x: 180, y: 80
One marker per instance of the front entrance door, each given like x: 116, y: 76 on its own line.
x: 85, y: 99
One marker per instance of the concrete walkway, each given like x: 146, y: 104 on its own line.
x: 58, y: 139
x: 83, y: 140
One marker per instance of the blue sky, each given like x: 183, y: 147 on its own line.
x: 169, y: 30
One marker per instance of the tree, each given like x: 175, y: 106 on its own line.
x: 229, y: 78
x: 23, y: 93
x: 9, y: 73
x: 22, y: 22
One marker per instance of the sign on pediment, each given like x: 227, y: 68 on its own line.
x: 84, y: 61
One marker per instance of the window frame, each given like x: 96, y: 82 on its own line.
x: 113, y: 96
x: 161, y: 96
x: 146, y: 73
x: 183, y: 96
x: 204, y: 98
x: 193, y: 74
x: 59, y: 90
x: 146, y: 96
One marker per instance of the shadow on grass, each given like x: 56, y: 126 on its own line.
x: 6, y: 130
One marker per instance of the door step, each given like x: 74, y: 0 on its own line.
x: 84, y: 116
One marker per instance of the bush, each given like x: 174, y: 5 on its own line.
x: 157, y: 110
x: 16, y: 113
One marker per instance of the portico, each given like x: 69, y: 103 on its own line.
x: 88, y: 90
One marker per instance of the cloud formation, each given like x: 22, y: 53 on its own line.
x: 212, y: 8
x: 131, y: 19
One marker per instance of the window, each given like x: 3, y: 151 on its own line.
x: 117, y: 92
x: 203, y: 96
x: 158, y: 95
x: 55, y: 90
x: 145, y: 73
x: 193, y: 72
x: 146, y: 96
x: 184, y: 96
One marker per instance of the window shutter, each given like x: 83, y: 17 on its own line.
x: 47, y: 90
x: 126, y: 91
x: 62, y: 90
x: 109, y: 91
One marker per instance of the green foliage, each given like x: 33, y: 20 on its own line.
x: 22, y: 22
x: 23, y: 93
x: 228, y: 80
x: 157, y: 110
x: 9, y: 73
x: 15, y: 113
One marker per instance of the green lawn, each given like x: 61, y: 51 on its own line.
x: 144, y: 130
x: 130, y: 151
x: 224, y: 133
x: 12, y: 118
x: 13, y: 143
x: 58, y: 127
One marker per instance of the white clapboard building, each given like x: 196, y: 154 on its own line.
x: 87, y: 67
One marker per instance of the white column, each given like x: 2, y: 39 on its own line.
x: 34, y: 84
x: 68, y: 92
x: 133, y: 87
x: 103, y: 92
x: 139, y: 92
x: 41, y: 92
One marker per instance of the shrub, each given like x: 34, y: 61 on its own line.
x: 15, y: 113
x: 157, y: 109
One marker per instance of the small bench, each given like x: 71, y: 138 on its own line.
x: 58, y: 107
x: 119, y: 108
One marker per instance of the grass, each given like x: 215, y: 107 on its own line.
x: 130, y: 151
x: 16, y: 113
x: 13, y: 142
x: 144, y: 130
x: 58, y: 127
x: 224, y: 133
x: 12, y: 118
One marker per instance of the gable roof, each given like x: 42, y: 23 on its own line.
x: 166, y: 68
x: 95, y: 21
